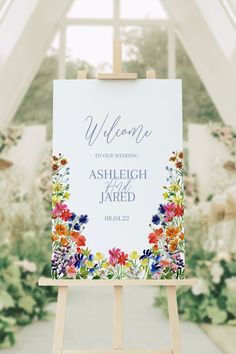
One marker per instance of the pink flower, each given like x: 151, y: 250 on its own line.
x: 71, y: 271
x: 170, y: 209
x: 59, y: 209
x: 114, y: 255
x: 174, y: 267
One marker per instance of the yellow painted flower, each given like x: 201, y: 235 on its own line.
x: 105, y: 265
x: 99, y: 256
x: 90, y: 264
x: 165, y: 195
x: 144, y: 262
x: 174, y: 187
x: 67, y: 195
x: 55, y: 200
x: 178, y: 199
x: 128, y: 264
x: 57, y: 187
x: 134, y: 255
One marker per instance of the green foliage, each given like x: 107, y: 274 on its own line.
x: 36, y: 106
x: 21, y: 300
x: 148, y: 49
x: 213, y: 299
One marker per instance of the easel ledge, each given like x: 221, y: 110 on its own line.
x: 129, y: 282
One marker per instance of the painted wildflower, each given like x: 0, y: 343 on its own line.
x: 162, y: 259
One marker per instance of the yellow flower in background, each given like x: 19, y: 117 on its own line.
x: 165, y: 195
x: 144, y: 262
x: 178, y: 199
x: 134, y: 255
x: 67, y: 195
x: 99, y: 256
x: 174, y: 188
x: 90, y: 264
x: 57, y: 187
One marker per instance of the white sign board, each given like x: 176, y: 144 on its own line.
x: 116, y: 138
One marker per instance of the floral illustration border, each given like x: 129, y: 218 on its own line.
x: 162, y: 259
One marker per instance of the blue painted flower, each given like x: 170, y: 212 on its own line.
x: 91, y: 257
x: 161, y: 209
x: 92, y: 270
x: 78, y: 260
x: 83, y: 219
x: 158, y: 258
x: 155, y: 267
x: 77, y: 227
x: 156, y: 219
x: 146, y: 254
x: 72, y: 218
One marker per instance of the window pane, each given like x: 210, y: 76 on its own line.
x: 145, y: 49
x: 142, y: 9
x: 91, y: 8
x: 90, y: 44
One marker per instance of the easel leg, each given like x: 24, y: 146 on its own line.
x: 118, y: 318
x: 60, y: 320
x: 174, y: 319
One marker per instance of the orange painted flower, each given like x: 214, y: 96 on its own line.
x: 54, y: 237
x: 165, y: 262
x: 173, y: 245
x: 155, y: 248
x: 159, y: 232
x: 64, y: 242
x: 74, y: 235
x: 181, y: 236
x: 172, y: 231
x: 61, y: 230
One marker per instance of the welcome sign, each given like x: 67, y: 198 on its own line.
x: 117, y: 175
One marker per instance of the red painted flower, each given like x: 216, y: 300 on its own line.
x: 153, y: 238
x: 81, y: 241
x: 66, y: 214
x: 122, y: 258
x: 179, y: 210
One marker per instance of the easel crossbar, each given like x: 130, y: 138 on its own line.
x: 110, y: 282
x: 117, y: 351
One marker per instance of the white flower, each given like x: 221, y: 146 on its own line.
x: 216, y: 272
x: 27, y: 265
x: 201, y: 287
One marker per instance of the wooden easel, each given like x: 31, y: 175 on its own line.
x: 118, y: 326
